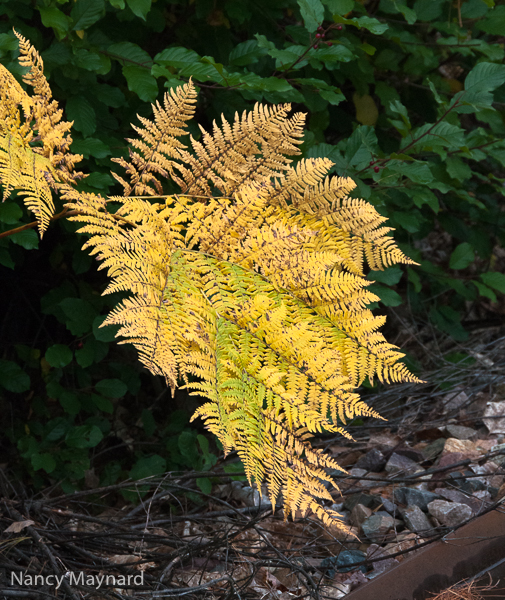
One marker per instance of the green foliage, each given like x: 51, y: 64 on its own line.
x: 408, y: 101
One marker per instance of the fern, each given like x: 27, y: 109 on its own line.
x: 251, y: 280
x: 35, y: 155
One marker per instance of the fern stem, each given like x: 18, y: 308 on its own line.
x: 64, y: 213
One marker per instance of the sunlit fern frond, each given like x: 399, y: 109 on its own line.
x: 34, y: 142
x: 29, y: 174
x: 251, y: 150
x: 259, y: 293
x: 249, y: 287
x: 46, y: 118
x: 15, y: 108
x: 151, y: 160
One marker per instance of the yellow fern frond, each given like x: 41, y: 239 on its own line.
x: 23, y: 170
x: 34, y: 141
x: 250, y: 282
x: 158, y: 143
x: 252, y: 150
x: 15, y: 108
x: 46, y: 118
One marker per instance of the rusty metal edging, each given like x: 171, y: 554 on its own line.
x: 466, y: 551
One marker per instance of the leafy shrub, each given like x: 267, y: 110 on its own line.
x: 407, y: 101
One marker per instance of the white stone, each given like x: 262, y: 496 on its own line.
x: 450, y: 514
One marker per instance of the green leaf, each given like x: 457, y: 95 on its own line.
x: 403, y: 125
x: 91, y: 147
x: 204, y: 444
x: 112, y: 388
x: 474, y: 9
x: 494, y: 23
x: 27, y: 238
x: 91, y: 61
x: 103, y: 404
x: 141, y: 82
x: 139, y: 8
x: 13, y: 378
x: 56, y: 19
x: 246, y: 53
x: 273, y: 84
x: 485, y: 291
x: 368, y: 48
x: 148, y: 467
x: 79, y: 315
x: 462, y: 256
x: 418, y: 172
x: 86, y: 12
x: 312, y: 12
x: 8, y: 42
x: 204, y: 484
x: 388, y: 296
x: 120, y: 4
x: 104, y: 334
x: 414, y: 279
x: 428, y: 10
x: 395, y: 6
x: 84, y: 436
x: 99, y: 181
x: 237, y: 467
x: 69, y: 402
x: 85, y: 355
x: 434, y: 137
x: 390, y: 276
x: 361, y: 146
x: 408, y: 13
x: 177, y: 57
x: 187, y: 447
x: 339, y: 7
x: 56, y: 429
x: 59, y: 355
x: 334, y: 96
x: 93, y: 351
x: 109, y: 95
x: 372, y: 25
x: 422, y: 196
x: 332, y: 55
x: 43, y: 461
x: 479, y: 83
x: 447, y: 320
x: 263, y: 42
x: 10, y: 213
x: 80, y: 111
x: 494, y: 280
x: 57, y: 55
x: 458, y: 169
x: 130, y: 53
x: 410, y: 221
x: 148, y: 422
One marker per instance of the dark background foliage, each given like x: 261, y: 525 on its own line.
x: 407, y: 98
